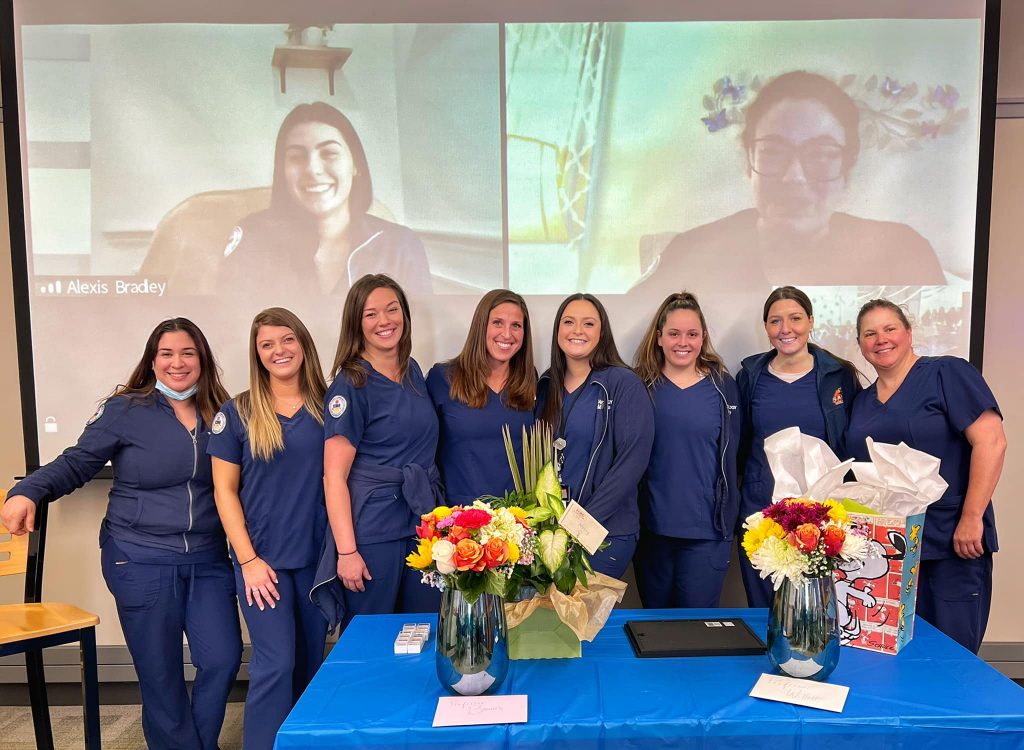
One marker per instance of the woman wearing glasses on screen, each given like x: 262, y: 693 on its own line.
x: 689, y: 497
x: 380, y: 442
x: 603, y: 424
x: 268, y: 465
x: 793, y: 384
x: 319, y: 234
x: 491, y: 383
x: 162, y: 545
x: 801, y: 140
x: 942, y: 406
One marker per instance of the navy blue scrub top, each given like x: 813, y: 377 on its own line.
x: 939, y: 399
x: 283, y: 498
x: 579, y: 421
x: 776, y: 405
x: 471, y: 453
x: 684, y: 466
x: 388, y: 423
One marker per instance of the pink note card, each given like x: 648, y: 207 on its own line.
x: 460, y: 711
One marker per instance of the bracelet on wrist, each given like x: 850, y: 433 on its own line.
x: 254, y: 557
x: 346, y: 554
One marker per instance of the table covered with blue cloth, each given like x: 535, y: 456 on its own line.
x: 933, y: 694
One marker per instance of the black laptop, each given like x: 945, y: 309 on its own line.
x: 704, y: 637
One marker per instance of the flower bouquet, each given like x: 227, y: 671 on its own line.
x: 799, y: 543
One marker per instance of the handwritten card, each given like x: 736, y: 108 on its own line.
x: 583, y: 527
x: 801, y: 692
x: 461, y: 711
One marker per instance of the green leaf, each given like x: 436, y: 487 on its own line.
x: 551, y: 546
x: 495, y: 583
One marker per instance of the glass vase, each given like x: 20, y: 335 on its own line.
x: 472, y: 648
x: 803, y: 629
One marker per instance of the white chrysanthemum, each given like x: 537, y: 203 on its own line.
x: 503, y: 526
x: 753, y: 520
x: 779, y: 560
x: 855, y: 547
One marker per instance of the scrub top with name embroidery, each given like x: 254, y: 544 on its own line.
x: 776, y: 405
x: 471, y: 454
x: 680, y: 482
x: 939, y: 398
x: 388, y: 423
x: 283, y: 498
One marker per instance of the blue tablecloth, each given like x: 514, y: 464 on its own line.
x: 933, y: 694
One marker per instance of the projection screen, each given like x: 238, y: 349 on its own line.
x: 545, y: 147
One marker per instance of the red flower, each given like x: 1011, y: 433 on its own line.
x: 427, y: 529
x: 474, y: 518
x: 469, y: 555
x: 833, y: 541
x: 495, y: 553
x: 805, y: 537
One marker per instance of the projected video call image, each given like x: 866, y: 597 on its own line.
x: 212, y: 170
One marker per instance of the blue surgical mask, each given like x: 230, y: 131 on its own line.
x: 177, y: 395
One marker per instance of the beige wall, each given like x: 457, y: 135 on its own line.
x: 73, y: 557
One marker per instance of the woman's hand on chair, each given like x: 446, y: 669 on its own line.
x: 19, y: 515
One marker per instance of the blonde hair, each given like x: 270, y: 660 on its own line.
x: 256, y: 405
x: 650, y: 359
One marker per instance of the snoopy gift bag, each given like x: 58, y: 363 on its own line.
x: 875, y: 597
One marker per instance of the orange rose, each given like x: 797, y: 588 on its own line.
x: 457, y: 533
x: 469, y: 555
x: 805, y: 537
x: 495, y: 553
x: 834, y: 538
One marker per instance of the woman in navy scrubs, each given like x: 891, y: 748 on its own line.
x: 795, y: 384
x: 602, y: 418
x: 942, y: 406
x: 163, y: 554
x: 380, y: 440
x: 690, y: 497
x: 267, y: 448
x: 491, y: 383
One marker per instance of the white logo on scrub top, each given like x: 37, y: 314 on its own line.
x: 219, y: 423
x: 337, y: 406
x: 97, y: 415
x: 236, y: 237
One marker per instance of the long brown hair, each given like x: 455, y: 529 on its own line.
x: 350, y: 338
x: 468, y: 371
x: 256, y: 405
x: 142, y: 381
x: 798, y: 296
x: 650, y: 357
x: 605, y: 355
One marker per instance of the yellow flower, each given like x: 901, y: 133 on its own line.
x: 756, y: 535
x: 836, y: 511
x: 518, y: 512
x: 442, y: 511
x: 421, y: 558
x: 513, y: 552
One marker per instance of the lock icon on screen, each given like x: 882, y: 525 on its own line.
x: 50, y: 424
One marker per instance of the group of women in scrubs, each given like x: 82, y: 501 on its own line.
x: 319, y: 489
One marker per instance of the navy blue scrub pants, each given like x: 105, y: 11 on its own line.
x: 681, y: 572
x: 955, y: 595
x: 616, y: 557
x: 395, y: 588
x: 759, y: 590
x: 156, y: 604
x: 287, y: 649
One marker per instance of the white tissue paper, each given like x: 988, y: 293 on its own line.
x: 898, y: 481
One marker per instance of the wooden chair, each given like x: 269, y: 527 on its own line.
x: 30, y: 627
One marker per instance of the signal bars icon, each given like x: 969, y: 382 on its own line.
x: 54, y: 287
